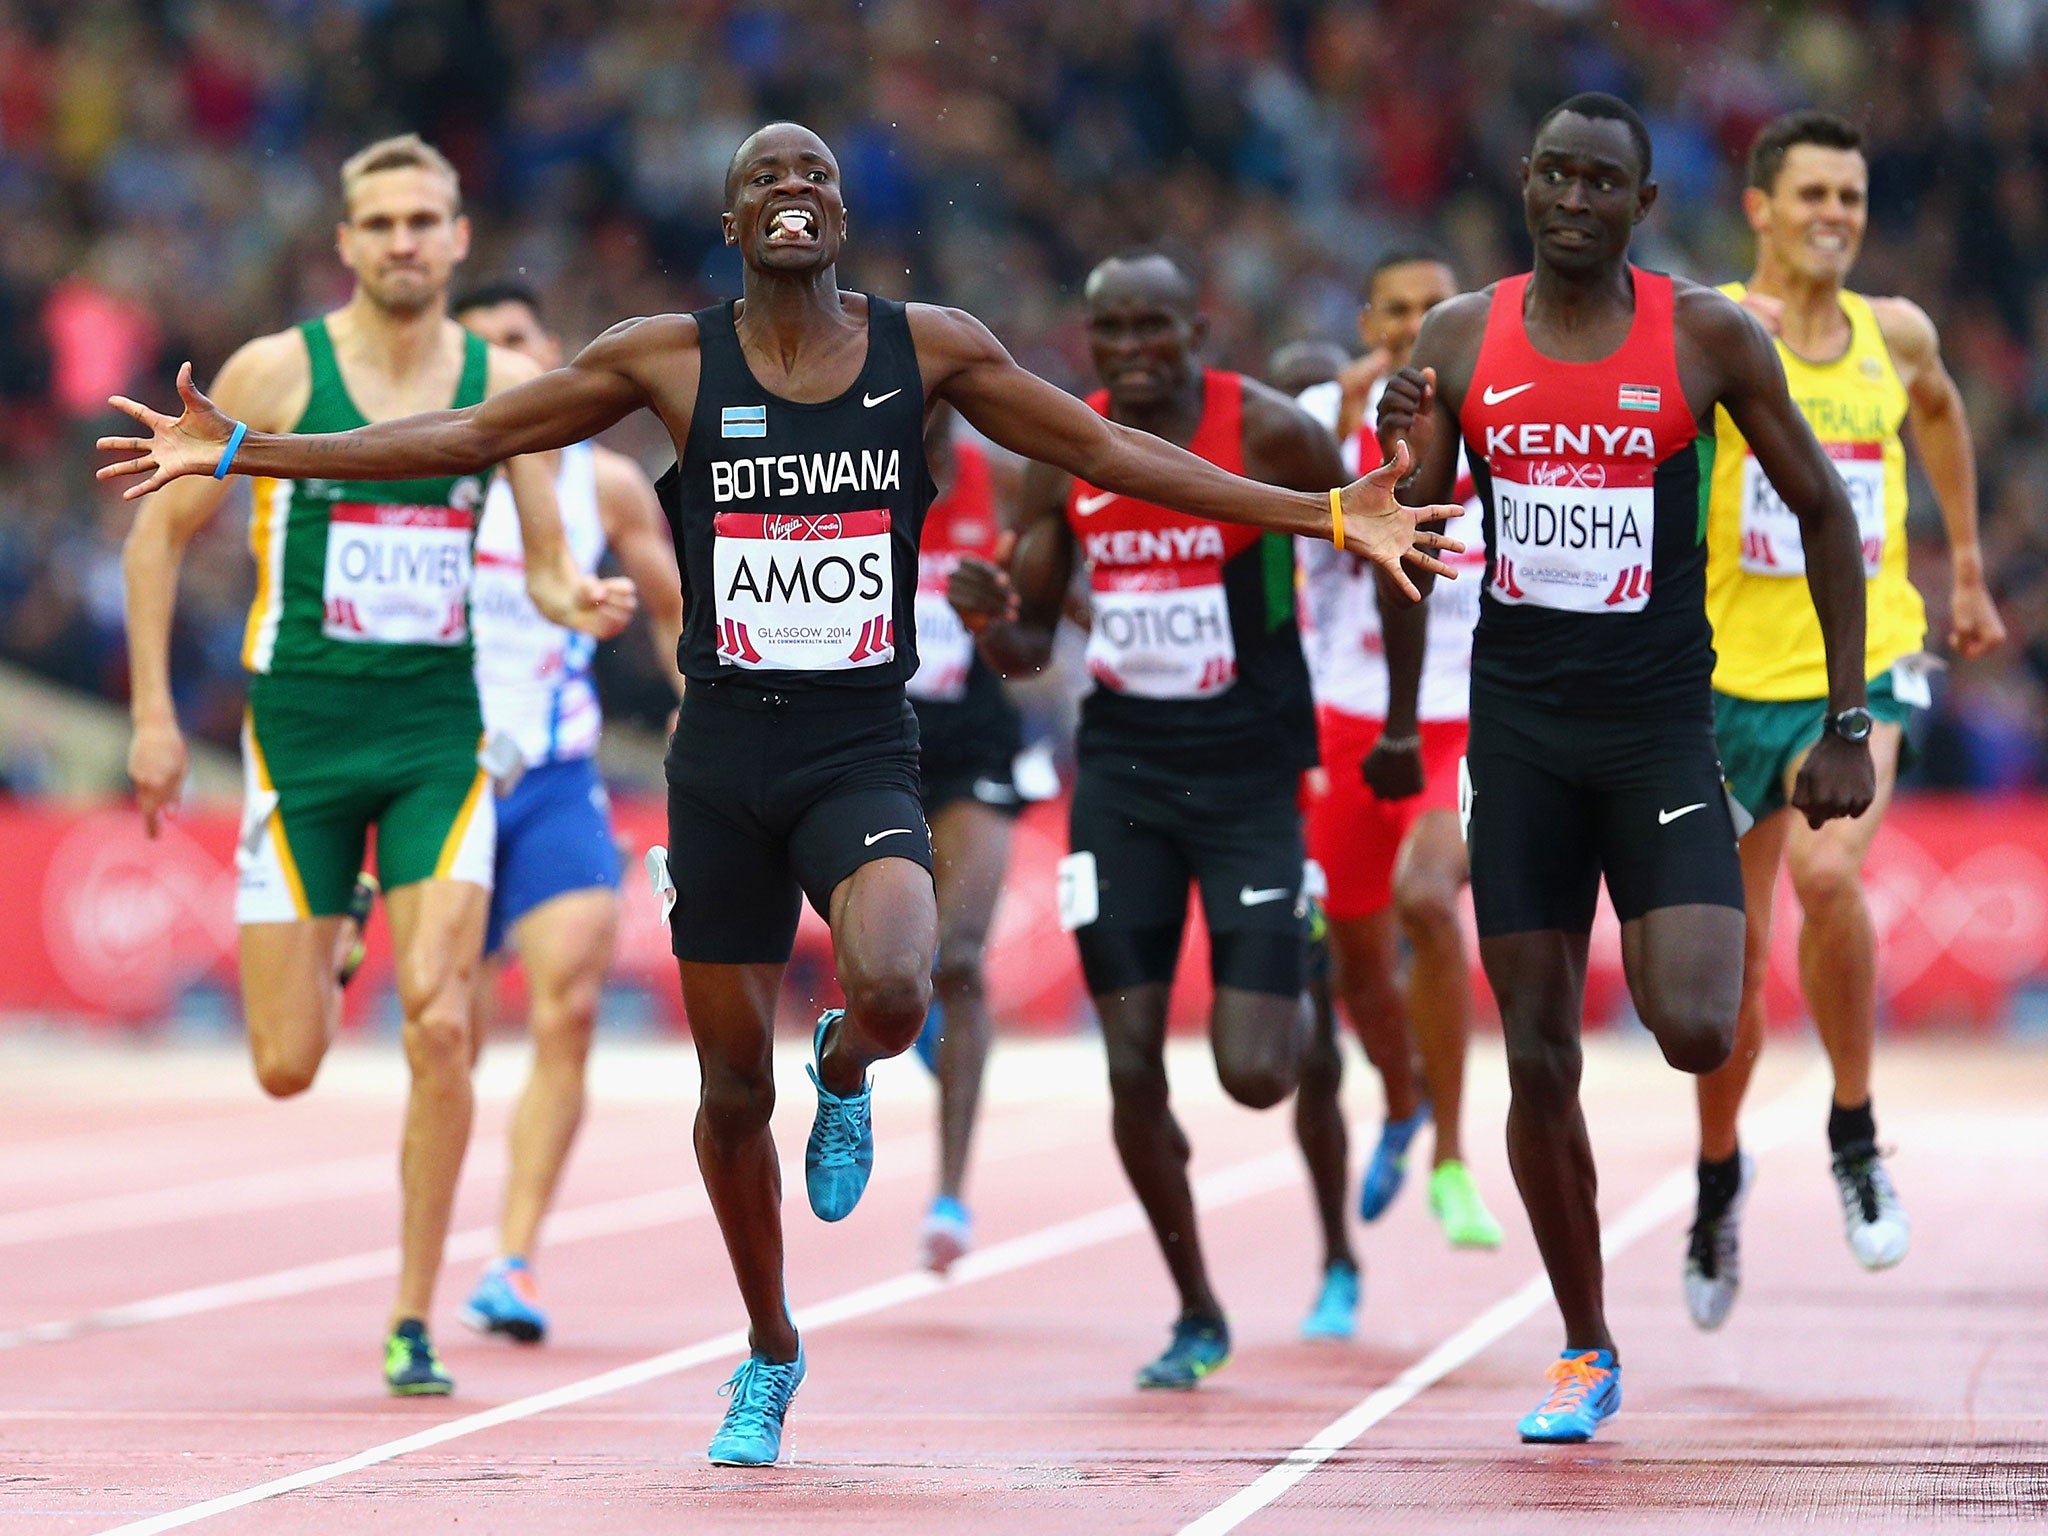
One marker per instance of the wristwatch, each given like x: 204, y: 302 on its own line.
x: 1851, y: 724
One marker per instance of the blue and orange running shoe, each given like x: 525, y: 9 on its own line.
x: 841, y: 1152
x: 1585, y: 1392
x: 751, y: 1433
x: 1200, y: 1347
x: 506, y: 1302
x: 411, y: 1368
x: 1389, y: 1166
x: 1335, y: 1314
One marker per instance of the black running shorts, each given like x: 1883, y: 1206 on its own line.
x: 1151, y: 832
x: 1559, y: 800
x: 775, y: 796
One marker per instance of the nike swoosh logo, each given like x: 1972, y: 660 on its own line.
x: 871, y: 401
x: 875, y: 837
x: 1494, y: 396
x: 1665, y: 818
x: 1252, y: 898
x: 1088, y: 506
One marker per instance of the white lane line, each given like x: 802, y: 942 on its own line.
x: 332, y: 1180
x: 1242, y: 1181
x: 1666, y: 1198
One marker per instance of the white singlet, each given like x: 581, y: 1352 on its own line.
x: 534, y: 675
x: 1346, y: 656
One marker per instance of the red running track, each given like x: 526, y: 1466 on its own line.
x: 196, y: 1279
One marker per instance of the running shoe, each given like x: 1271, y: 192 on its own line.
x: 841, y: 1151
x: 1585, y: 1391
x: 1389, y: 1165
x: 1871, y: 1213
x: 360, y: 901
x: 1200, y: 1347
x: 931, y: 1037
x: 1713, y: 1256
x: 751, y: 1433
x: 948, y: 1234
x: 1335, y: 1314
x: 505, y: 1301
x: 411, y: 1368
x: 1454, y: 1199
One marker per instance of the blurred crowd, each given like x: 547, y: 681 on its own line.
x: 167, y: 190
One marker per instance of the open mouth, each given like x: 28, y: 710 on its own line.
x: 793, y: 225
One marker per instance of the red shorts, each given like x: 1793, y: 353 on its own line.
x: 1354, y: 834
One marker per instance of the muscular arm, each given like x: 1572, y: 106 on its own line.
x: 638, y: 535
x: 268, y: 380
x: 966, y: 366
x: 635, y: 363
x: 1941, y: 431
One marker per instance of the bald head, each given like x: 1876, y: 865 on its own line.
x: 1153, y: 278
x: 779, y: 142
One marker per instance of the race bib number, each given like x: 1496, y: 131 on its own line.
x: 804, y: 594
x: 1162, y: 634
x: 945, y: 650
x: 397, y: 575
x: 1571, y: 537
x: 1770, y: 532
x: 1080, y: 898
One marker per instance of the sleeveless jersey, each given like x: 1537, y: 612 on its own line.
x: 363, y: 578
x: 1765, y: 629
x: 964, y: 716
x: 796, y: 525
x: 1591, y: 478
x: 1195, y: 648
x: 534, y: 675
x: 1347, y: 660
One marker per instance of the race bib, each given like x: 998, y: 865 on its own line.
x: 1080, y: 898
x: 804, y: 594
x: 1162, y: 633
x: 945, y: 650
x: 397, y: 575
x: 1770, y: 531
x: 1574, y: 537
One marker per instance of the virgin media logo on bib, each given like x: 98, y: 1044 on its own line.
x: 804, y: 594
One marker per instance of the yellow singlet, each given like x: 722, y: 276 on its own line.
x: 1766, y: 635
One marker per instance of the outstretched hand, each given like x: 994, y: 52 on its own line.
x: 1380, y: 529
x: 188, y: 444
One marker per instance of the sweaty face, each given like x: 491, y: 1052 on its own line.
x: 516, y: 328
x: 1582, y: 193
x: 1400, y: 297
x: 787, y: 212
x: 1142, y: 332
x: 403, y: 238
x: 1812, y: 219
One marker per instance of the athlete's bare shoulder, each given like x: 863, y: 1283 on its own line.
x: 948, y: 339
x: 1722, y: 348
x: 1284, y: 445
x: 1909, y: 335
x: 1707, y: 315
x: 504, y: 368
x: 266, y: 382
x: 1449, y: 342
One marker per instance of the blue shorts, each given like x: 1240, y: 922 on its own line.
x: 554, y: 836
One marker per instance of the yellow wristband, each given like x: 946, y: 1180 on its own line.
x: 1337, y: 516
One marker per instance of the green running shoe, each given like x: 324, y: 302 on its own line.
x: 1200, y: 1346
x: 1454, y: 1198
x: 411, y: 1368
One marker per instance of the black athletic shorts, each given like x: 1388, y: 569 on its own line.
x: 1152, y: 831
x: 1558, y: 800
x: 775, y: 796
x: 967, y: 746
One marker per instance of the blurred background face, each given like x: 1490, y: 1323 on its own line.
x: 1142, y: 331
x: 1401, y: 295
x: 513, y: 326
x: 1812, y: 219
x: 403, y: 238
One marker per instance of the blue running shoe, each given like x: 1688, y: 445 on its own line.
x: 1585, y: 1391
x: 1200, y: 1346
x: 1389, y: 1165
x: 948, y: 1234
x: 841, y: 1151
x: 1335, y: 1314
x: 505, y: 1301
x: 751, y: 1435
x: 931, y: 1037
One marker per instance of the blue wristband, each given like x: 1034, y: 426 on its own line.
x: 220, y: 470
